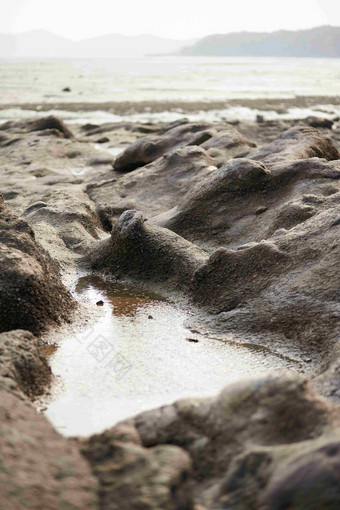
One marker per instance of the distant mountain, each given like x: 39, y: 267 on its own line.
x: 40, y: 43
x: 316, y: 42
x: 36, y: 43
x: 116, y: 45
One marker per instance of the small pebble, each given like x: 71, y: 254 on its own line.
x: 193, y: 340
x: 150, y: 317
x: 261, y: 210
x: 335, y: 222
x: 100, y: 303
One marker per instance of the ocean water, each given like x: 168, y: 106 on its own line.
x: 172, y: 79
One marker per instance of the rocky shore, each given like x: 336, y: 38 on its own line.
x: 241, y: 222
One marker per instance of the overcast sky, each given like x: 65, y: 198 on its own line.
x: 178, y: 19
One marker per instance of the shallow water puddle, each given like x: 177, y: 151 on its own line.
x: 137, y: 356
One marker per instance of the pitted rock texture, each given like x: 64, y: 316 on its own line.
x: 132, y: 476
x: 38, y: 468
x: 148, y: 253
x: 31, y: 293
x: 36, y: 163
x: 246, y: 449
x: 65, y: 224
x: 148, y: 149
x: 252, y: 242
x: 23, y: 367
x: 299, y: 142
x: 245, y: 201
x: 155, y: 187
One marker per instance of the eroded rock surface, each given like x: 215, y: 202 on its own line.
x: 38, y: 468
x: 31, y: 293
x: 155, y: 187
x: 222, y: 140
x: 247, y: 448
x: 299, y: 142
x: 23, y: 367
x: 252, y: 242
x: 132, y: 476
x: 51, y: 124
x: 146, y: 252
x: 65, y: 224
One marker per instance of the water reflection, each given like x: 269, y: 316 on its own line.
x: 125, y: 301
x: 138, y: 356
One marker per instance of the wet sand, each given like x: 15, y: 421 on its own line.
x: 279, y: 105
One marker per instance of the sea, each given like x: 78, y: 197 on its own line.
x: 169, y: 79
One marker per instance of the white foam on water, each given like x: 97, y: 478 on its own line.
x: 241, y: 113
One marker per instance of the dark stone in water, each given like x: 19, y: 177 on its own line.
x: 100, y: 303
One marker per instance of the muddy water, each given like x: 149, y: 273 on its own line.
x: 136, y: 356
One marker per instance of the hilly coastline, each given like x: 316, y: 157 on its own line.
x: 41, y: 43
x: 317, y: 42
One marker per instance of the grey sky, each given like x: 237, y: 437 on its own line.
x: 180, y: 19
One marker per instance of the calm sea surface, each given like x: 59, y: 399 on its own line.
x: 172, y: 79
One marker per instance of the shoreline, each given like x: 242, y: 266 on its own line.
x: 280, y: 105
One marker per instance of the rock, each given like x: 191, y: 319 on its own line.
x: 65, y: 224
x: 206, y: 208
x: 335, y: 222
x: 222, y: 208
x: 308, y: 480
x: 89, y: 127
x: 223, y: 282
x: 23, y: 368
x: 257, y: 285
x: 261, y: 210
x: 103, y: 139
x: 131, y: 476
x: 318, y: 122
x: 39, y: 468
x: 290, y: 299
x: 40, y: 163
x: 32, y: 295
x: 66, y: 89
x: 106, y: 214
x: 156, y: 187
x: 147, y: 253
x: 148, y: 149
x: 237, y: 440
x: 260, y: 119
x: 42, y: 124
x: 291, y: 214
x: 227, y: 144
x: 300, y: 142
